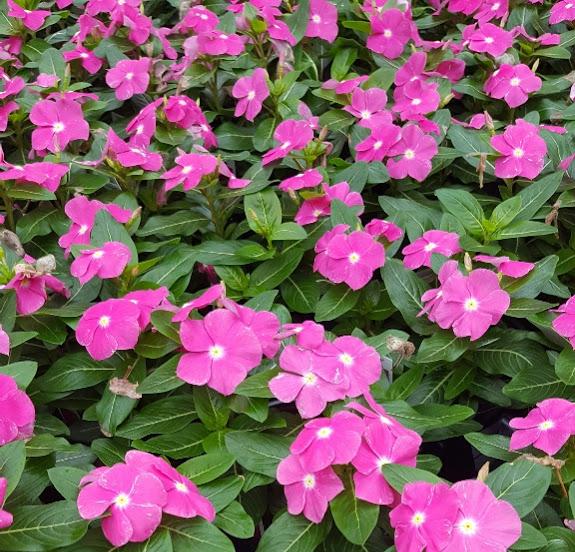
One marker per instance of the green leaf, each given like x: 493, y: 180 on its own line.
x: 43, y: 527
x: 505, y: 212
x: 523, y: 484
x: 272, y: 273
x: 535, y: 384
x: 235, y: 521
x: 257, y: 385
x: 208, y: 467
x: 441, y: 346
x: 222, y: 491
x: 162, y: 379
x: 257, y: 452
x: 522, y: 229
x: 355, y: 518
x: 398, y: 476
x: 572, y: 499
x: 66, y: 479
x: 301, y: 292
x: 293, y: 534
x: 263, y: 212
x: 196, y: 534
x: 181, y: 223
x: 463, y: 206
x: 52, y: 63
x: 534, y: 196
x: 36, y: 223
x: 336, y: 302
x: 289, y: 231
x: 12, y: 461
x: 299, y: 20
x: 523, y: 308
x: 428, y: 416
x: 234, y: 138
x: 23, y: 372
x: 212, y: 408
x: 459, y: 381
x: 106, y: 229
x: 183, y: 444
x: 493, y: 446
x: 565, y: 366
x: 531, y: 538
x: 533, y: 283
x: 178, y: 263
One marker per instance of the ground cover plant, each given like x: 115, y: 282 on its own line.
x: 287, y: 276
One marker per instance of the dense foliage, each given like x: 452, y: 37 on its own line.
x: 287, y: 276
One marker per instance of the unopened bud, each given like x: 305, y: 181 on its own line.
x: 46, y: 264
x: 124, y: 388
x: 11, y: 241
x: 398, y: 345
x: 467, y: 262
x: 483, y: 472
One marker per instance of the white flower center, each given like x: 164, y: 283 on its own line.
x: 182, y: 102
x: 104, y: 321
x: 129, y: 76
x: 224, y: 37
x: 515, y: 81
x: 418, y: 519
x: 83, y: 230
x: 83, y: 55
x: 471, y: 304
x: 383, y: 461
x: 365, y: 114
x: 309, y: 481
x: 139, y: 129
x: 409, y: 154
x: 251, y: 94
x: 387, y: 33
x: 416, y: 101
x: 309, y: 379
x: 385, y: 420
x: 495, y: 6
x: 430, y: 247
x: 316, y: 18
x: 489, y: 39
x: 216, y: 352
x: 285, y: 145
x: 467, y: 526
x: 187, y: 170
x: 346, y: 359
x: 518, y: 152
x: 122, y: 500
x: 324, y: 432
x: 58, y: 127
x: 354, y: 258
x: 546, y: 425
x: 181, y: 487
x: 98, y: 254
x: 377, y: 145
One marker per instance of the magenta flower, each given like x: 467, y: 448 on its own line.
x: 488, y: 38
x: 134, y: 153
x: 349, y: 258
x: 369, y: 106
x: 547, y: 427
x: 251, y: 92
x: 129, y: 77
x: 564, y: 324
x: 314, y: 208
x: 383, y: 229
x: 345, y: 86
x: 327, y: 441
x: 415, y: 150
x: 419, y: 252
x: 212, y: 294
x: 564, y: 10
x: 184, y: 500
x: 198, y: 19
x: 512, y: 83
x: 220, y: 351
x: 483, y: 522
x: 292, y: 135
x: 4, y: 342
x: 132, y: 499
x: 32, y: 19
x: 471, y: 304
x: 307, y: 492
x: 5, y: 111
x: 307, y: 179
x: 416, y: 98
x: 434, y: 297
x: 381, y: 446
x: 522, y: 151
x: 189, y: 170
x: 322, y: 21
x: 89, y: 61
x: 377, y: 145
x: 149, y: 300
x: 58, y: 123
x: 17, y: 413
x: 109, y: 326
x: 30, y: 287
x: 104, y: 262
x: 307, y: 379
x: 413, y: 69
x: 507, y: 267
x: 424, y: 519
x: 5, y: 517
x: 216, y: 43
x: 44, y: 174
x: 390, y: 32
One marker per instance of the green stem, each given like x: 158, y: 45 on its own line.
x: 9, y: 210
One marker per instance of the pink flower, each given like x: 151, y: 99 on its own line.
x: 307, y: 379
x: 278, y: 30
x: 109, y: 326
x: 5, y: 111
x: 307, y: 492
x: 415, y: 150
x: 350, y: 258
x: 562, y: 11
x: 416, y: 98
x: 471, y: 304
x: 82, y: 212
x: 132, y: 499
x: 377, y: 145
x: 292, y: 135
x: 104, y: 262
x: 129, y: 77
x: 30, y: 288
x: 322, y: 21
x: 327, y: 441
x: 434, y: 297
x: 251, y: 92
x: 17, y: 413
x: 419, y: 252
x: 344, y: 86
x: 311, y: 209
x: 198, y: 19
x: 507, y: 267
x: 134, y: 153
x: 184, y: 500
x: 58, y: 123
x: 4, y: 342
x: 88, y: 59
x: 149, y: 300
x: 212, y: 294
x: 483, y: 522
x: 492, y: 9
x: 390, y: 32
x: 424, y: 519
x: 382, y: 228
x: 221, y: 350
x: 522, y: 151
x: 547, y: 427
x: 5, y: 517
x: 32, y: 19
x: 190, y: 169
x: 564, y: 324
x: 44, y: 174
x: 217, y: 43
x: 413, y: 69
x: 512, y: 83
x: 488, y: 38
x: 369, y: 106
x: 307, y: 179
x: 381, y: 446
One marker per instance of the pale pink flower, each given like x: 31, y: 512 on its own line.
x: 17, y: 413
x: 390, y: 32
x: 307, y: 492
x: 44, y: 174
x: 58, y: 123
x: 307, y: 379
x: 322, y: 21
x: 327, y: 441
x: 132, y: 499
x: 32, y: 19
x: 107, y: 261
x: 547, y: 427
x: 424, y: 519
x: 30, y: 288
x: 184, y: 500
x: 5, y: 517
x: 488, y: 38
x: 381, y: 446
x: 251, y: 92
x: 4, y: 342
x: 564, y: 10
x: 472, y: 304
x: 414, y: 152
x: 350, y: 258
x: 522, y: 151
x: 564, y: 324
x: 416, y: 98
x: 307, y: 179
x: 220, y: 351
x: 217, y: 43
x: 109, y: 326
x: 291, y: 135
x: 383, y: 229
x: 369, y: 107
x: 129, y: 77
x: 512, y: 83
x: 483, y: 523
x: 189, y: 170
x: 377, y: 145
x: 419, y: 252
x: 507, y: 267
x: 89, y: 61
x: 134, y: 153
x: 149, y: 300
